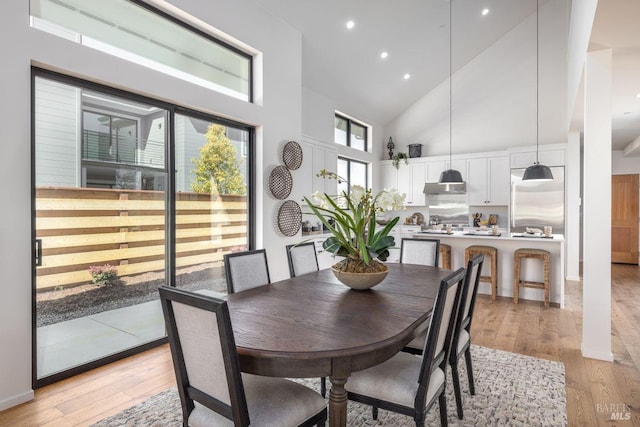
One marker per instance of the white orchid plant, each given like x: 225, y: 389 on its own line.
x: 354, y: 221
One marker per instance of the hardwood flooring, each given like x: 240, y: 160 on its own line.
x: 594, y: 388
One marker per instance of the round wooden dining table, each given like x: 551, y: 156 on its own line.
x: 314, y: 326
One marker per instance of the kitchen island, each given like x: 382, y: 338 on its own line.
x: 507, y: 244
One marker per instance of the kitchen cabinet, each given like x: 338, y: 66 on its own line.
x: 388, y: 176
x: 324, y: 158
x: 546, y: 157
x: 408, y: 179
x: 435, y: 168
x: 488, y: 181
x: 315, y: 158
x: 411, y: 179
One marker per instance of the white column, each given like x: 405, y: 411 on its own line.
x: 596, y: 323
x: 572, y: 203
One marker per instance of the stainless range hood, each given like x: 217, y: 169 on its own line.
x: 431, y: 188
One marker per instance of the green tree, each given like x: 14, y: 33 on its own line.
x: 218, y: 168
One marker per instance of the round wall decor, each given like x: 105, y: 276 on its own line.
x: 289, y: 218
x: 292, y: 155
x: 280, y: 182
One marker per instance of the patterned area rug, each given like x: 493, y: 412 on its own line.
x: 511, y: 390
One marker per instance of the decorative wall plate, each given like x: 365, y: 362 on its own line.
x: 289, y: 218
x: 292, y: 155
x: 280, y: 182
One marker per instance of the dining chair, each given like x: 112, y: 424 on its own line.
x: 392, y: 385
x: 302, y: 258
x: 246, y: 270
x: 212, y: 389
x: 462, y: 335
x: 419, y: 251
x: 425, y: 252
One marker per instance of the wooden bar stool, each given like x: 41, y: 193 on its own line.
x: 488, y: 252
x: 445, y: 256
x: 523, y: 253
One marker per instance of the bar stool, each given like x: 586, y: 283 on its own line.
x: 488, y: 252
x: 445, y: 256
x: 523, y: 253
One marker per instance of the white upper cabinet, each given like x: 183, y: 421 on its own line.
x: 488, y: 181
x: 434, y: 169
x: 546, y: 157
x: 411, y: 179
x: 315, y: 158
x: 408, y: 179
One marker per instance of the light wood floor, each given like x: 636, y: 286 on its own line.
x: 525, y: 328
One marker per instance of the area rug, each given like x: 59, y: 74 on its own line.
x: 511, y: 390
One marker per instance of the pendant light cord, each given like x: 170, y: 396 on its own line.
x: 537, y: 79
x: 450, y: 84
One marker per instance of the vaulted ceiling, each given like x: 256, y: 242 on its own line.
x: 345, y: 64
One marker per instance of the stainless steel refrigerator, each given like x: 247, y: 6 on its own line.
x: 536, y: 204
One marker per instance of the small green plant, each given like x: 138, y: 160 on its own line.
x: 395, y: 160
x: 103, y: 275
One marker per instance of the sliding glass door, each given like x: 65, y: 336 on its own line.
x: 102, y: 203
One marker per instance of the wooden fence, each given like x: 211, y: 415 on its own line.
x: 81, y: 227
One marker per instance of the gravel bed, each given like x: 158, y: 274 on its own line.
x: 59, y: 305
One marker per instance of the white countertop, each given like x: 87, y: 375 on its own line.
x: 485, y: 235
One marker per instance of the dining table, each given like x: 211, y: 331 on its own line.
x: 313, y: 326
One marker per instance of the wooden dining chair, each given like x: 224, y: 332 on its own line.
x: 407, y: 384
x: 420, y: 251
x: 462, y: 336
x: 246, y: 270
x: 424, y: 252
x: 302, y: 258
x: 212, y: 389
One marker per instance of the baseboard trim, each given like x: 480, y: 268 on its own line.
x: 16, y: 400
x: 599, y: 355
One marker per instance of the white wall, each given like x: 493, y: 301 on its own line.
x: 277, y: 115
x: 621, y: 165
x: 494, y: 95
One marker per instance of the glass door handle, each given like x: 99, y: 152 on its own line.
x: 38, y: 252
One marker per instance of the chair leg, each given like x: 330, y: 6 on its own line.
x: 442, y: 403
x: 455, y: 376
x: 323, y: 386
x: 467, y: 359
x: 374, y: 412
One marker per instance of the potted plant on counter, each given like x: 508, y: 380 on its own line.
x: 351, y: 219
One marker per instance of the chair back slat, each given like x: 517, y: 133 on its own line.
x: 246, y: 270
x: 420, y: 251
x: 302, y: 258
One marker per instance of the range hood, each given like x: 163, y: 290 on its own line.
x: 450, y: 188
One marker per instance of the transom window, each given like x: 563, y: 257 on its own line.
x: 140, y: 33
x: 350, y: 133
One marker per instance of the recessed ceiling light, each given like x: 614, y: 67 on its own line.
x: 638, y: 95
x: 384, y: 55
x: 485, y: 12
x: 350, y: 24
x: 407, y: 76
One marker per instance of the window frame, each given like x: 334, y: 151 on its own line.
x: 348, y: 177
x: 351, y: 121
x: 170, y: 202
x: 189, y: 27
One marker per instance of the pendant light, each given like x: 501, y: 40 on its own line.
x: 450, y: 176
x: 537, y: 172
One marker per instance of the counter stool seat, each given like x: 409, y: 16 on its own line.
x: 540, y: 254
x: 445, y: 256
x: 488, y: 252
